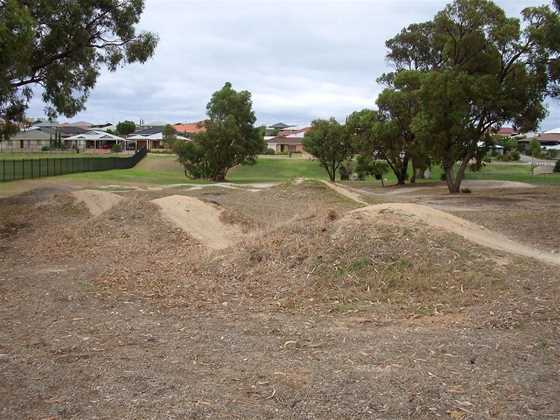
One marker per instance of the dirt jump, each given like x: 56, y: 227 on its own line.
x: 199, y: 219
x: 97, y: 202
x: 450, y: 223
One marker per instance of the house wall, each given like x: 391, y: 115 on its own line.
x: 23, y: 145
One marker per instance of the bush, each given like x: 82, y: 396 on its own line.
x: 116, y: 148
x: 45, y: 148
x: 515, y: 155
x: 268, y: 151
x: 557, y: 167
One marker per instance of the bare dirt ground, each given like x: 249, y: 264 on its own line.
x: 312, y: 313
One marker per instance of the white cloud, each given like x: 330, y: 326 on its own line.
x: 301, y: 59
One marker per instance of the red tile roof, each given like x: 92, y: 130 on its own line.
x: 190, y: 128
x: 506, y: 131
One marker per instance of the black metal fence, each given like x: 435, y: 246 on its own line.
x: 15, y: 169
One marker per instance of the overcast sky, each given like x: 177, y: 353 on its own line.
x: 301, y: 59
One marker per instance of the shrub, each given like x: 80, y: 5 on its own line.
x: 268, y: 151
x: 557, y: 167
x: 116, y: 148
x: 515, y: 155
x: 45, y: 148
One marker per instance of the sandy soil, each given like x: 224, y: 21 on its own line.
x: 450, y: 223
x: 97, y: 202
x: 346, y: 192
x: 200, y: 219
x: 313, y: 314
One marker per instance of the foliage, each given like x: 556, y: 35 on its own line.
x: 477, y: 69
x: 116, y: 148
x: 330, y: 143
x: 557, y: 167
x: 369, y: 167
x: 169, y: 135
x: 230, y: 138
x: 125, y: 128
x: 192, y: 156
x: 62, y: 48
x: 535, y: 148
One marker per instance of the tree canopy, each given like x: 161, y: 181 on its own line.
x: 59, y: 47
x: 230, y: 138
x: 476, y: 70
x: 330, y: 143
x: 124, y: 128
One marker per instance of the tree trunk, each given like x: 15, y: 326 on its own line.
x: 454, y: 180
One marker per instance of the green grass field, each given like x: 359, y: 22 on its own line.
x: 164, y: 169
x: 513, y: 172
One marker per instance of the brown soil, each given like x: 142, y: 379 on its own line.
x: 313, y: 314
x: 97, y: 202
x: 200, y: 220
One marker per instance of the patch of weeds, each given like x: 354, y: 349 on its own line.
x: 359, y: 264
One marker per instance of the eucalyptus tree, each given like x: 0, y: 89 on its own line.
x: 59, y: 47
x: 477, y: 70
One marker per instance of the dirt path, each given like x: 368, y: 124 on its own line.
x: 468, y: 230
x: 199, y: 219
x: 346, y: 193
x: 97, y: 202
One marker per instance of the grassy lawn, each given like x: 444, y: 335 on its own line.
x: 513, y: 172
x: 164, y: 169
x: 278, y: 170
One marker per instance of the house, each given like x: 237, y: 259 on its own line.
x: 29, y: 140
x: 506, y: 132
x: 150, y: 138
x: 81, y: 124
x: 93, y: 140
x: 550, y: 138
x: 189, y: 129
x: 289, y: 143
x: 288, y: 131
x: 280, y: 126
x: 547, y: 139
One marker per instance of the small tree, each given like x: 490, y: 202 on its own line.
x: 230, y: 139
x: 125, y: 128
x: 329, y: 142
x: 169, y: 135
x: 535, y: 149
x: 369, y: 167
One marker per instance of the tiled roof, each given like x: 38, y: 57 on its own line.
x: 190, y: 128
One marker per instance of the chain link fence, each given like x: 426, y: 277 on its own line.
x: 16, y: 169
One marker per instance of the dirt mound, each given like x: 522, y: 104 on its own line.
x: 200, y: 219
x: 449, y: 223
x: 97, y: 202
